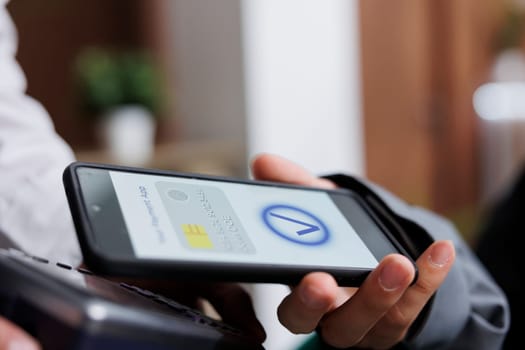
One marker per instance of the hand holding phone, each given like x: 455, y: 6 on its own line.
x: 390, y: 305
x: 152, y: 223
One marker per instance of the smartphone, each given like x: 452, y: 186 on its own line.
x: 162, y: 224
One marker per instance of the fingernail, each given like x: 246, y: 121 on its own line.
x: 21, y: 344
x: 390, y: 279
x: 440, y: 254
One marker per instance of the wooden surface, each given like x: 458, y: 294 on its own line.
x: 207, y: 157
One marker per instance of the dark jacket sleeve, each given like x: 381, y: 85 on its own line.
x: 469, y: 311
x: 498, y: 248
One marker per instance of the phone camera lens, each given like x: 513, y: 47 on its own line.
x: 177, y: 195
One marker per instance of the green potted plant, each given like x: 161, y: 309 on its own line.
x: 122, y: 91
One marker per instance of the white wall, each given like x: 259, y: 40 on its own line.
x: 303, y: 100
x: 302, y: 81
x: 280, y: 76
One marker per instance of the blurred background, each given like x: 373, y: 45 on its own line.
x: 425, y: 98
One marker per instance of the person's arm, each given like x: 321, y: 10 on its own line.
x: 454, y: 303
x: 34, y: 213
x: 469, y: 310
x: 33, y: 208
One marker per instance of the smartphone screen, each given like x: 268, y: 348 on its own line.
x: 187, y: 218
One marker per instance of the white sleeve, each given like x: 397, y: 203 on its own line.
x: 33, y: 208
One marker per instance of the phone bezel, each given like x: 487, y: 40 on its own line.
x: 129, y: 266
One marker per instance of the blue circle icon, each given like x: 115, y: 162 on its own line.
x: 295, y: 224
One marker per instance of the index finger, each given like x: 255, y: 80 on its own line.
x: 274, y: 168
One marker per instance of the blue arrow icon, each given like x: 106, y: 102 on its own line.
x: 309, y: 227
x: 311, y: 232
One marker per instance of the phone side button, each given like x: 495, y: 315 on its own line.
x: 39, y: 259
x: 64, y: 266
x: 84, y: 271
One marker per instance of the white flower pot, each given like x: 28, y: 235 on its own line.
x: 128, y: 134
